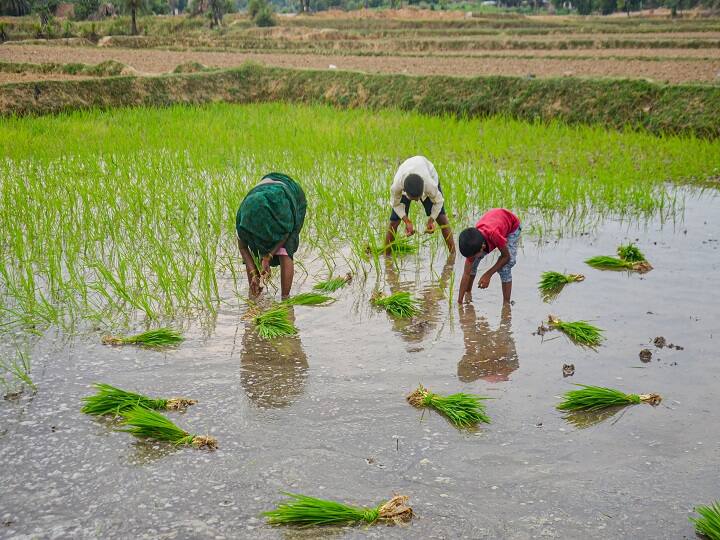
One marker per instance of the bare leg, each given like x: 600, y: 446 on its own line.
x: 442, y: 220
x: 287, y: 271
x: 507, y: 289
x: 390, y: 236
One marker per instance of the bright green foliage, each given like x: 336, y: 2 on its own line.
x: 400, y: 304
x: 274, y: 323
x: 591, y: 398
x: 112, y: 400
x: 630, y: 253
x: 152, y: 338
x: 463, y: 410
x: 551, y: 283
x: 580, y: 332
x: 147, y: 423
x: 604, y: 262
x: 332, y: 284
x: 709, y: 521
x: 308, y: 299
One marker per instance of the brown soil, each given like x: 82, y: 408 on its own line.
x: 28, y: 77
x: 151, y: 61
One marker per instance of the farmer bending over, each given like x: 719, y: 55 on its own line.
x: 498, y: 228
x: 268, y: 226
x: 417, y: 180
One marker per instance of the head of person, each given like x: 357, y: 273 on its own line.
x: 413, y: 186
x: 471, y: 242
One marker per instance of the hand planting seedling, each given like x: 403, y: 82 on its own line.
x: 593, y: 398
x: 463, y: 410
x: 630, y: 258
x: 274, y: 323
x: 333, y: 284
x: 400, y: 304
x: 580, y: 332
x: 308, y: 299
x: 552, y: 283
x: 708, y: 523
x: 304, y: 510
x: 146, y: 423
x: 161, y: 337
x: 112, y: 400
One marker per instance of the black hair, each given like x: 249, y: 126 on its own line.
x: 470, y: 242
x: 413, y: 185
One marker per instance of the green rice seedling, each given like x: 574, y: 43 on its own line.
x: 308, y: 299
x: 708, y: 523
x: 580, y: 332
x: 592, y: 398
x: 400, y: 304
x: 551, y: 283
x: 112, y: 400
x: 604, y: 262
x: 308, y: 511
x: 147, y: 423
x: 333, y: 284
x: 274, y: 323
x: 161, y: 337
x: 630, y: 253
x: 463, y: 410
x: 401, y: 245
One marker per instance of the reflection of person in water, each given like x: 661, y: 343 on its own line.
x: 430, y: 300
x: 273, y: 372
x: 489, y: 354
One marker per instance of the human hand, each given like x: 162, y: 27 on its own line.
x: 484, y: 281
x: 430, y: 226
x: 265, y: 266
x: 255, y: 286
x: 409, y: 230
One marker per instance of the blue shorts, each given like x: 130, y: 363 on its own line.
x: 427, y: 204
x: 505, y: 272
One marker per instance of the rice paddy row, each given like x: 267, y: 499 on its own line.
x: 137, y: 212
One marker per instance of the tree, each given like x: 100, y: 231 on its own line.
x: 85, y: 8
x: 133, y: 6
x: 14, y: 8
x: 584, y: 7
x: 608, y: 6
x: 218, y: 8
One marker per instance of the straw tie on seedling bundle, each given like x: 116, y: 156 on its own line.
x: 399, y: 304
x: 580, y: 332
x: 333, y: 284
x: 112, y: 400
x: 304, y: 510
x: 629, y: 258
x: 708, y: 523
x: 593, y: 398
x: 552, y: 283
x: 153, y: 338
x: 463, y: 410
x: 147, y: 423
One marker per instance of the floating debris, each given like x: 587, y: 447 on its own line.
x: 645, y: 355
x: 146, y: 423
x: 112, y: 400
x: 568, y: 370
x: 161, y: 337
x: 463, y: 410
x: 592, y: 398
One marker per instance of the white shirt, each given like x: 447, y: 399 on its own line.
x: 424, y: 169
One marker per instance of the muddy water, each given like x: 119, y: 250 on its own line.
x: 324, y: 414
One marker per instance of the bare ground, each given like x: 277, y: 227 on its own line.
x: 151, y: 61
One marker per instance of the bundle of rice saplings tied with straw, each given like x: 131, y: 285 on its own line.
x: 629, y: 258
x: 147, y: 423
x: 308, y: 511
x: 308, y: 299
x: 401, y: 245
x: 162, y: 337
x: 274, y: 322
x: 708, y: 523
x: 593, y: 398
x: 552, y: 283
x: 333, y: 283
x: 400, y: 304
x: 112, y: 400
x: 463, y: 410
x: 580, y: 332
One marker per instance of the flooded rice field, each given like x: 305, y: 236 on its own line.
x: 325, y: 413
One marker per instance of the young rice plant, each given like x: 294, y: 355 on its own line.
x: 708, y: 523
x: 161, y: 337
x: 274, y: 323
x: 112, y: 400
x: 400, y: 304
x: 579, y: 332
x: 333, y: 284
x: 147, y: 423
x: 592, y: 398
x: 552, y: 283
x: 308, y: 299
x: 463, y: 410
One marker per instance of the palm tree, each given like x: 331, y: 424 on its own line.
x: 133, y: 6
x: 14, y: 8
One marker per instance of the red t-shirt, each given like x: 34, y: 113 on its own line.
x: 496, y: 225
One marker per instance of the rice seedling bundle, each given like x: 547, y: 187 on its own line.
x: 274, y: 323
x: 708, y: 523
x: 333, y: 284
x: 463, y: 410
x: 580, y: 332
x: 631, y: 253
x: 629, y: 258
x: 112, y: 400
x: 161, y: 337
x: 592, y: 398
x: 551, y: 283
x: 401, y: 245
x: 147, y: 423
x: 400, y: 304
x: 308, y: 299
x: 304, y: 510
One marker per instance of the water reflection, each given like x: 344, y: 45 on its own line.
x: 273, y: 372
x: 586, y: 419
x: 430, y: 298
x: 489, y: 354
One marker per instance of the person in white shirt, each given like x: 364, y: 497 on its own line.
x: 417, y: 180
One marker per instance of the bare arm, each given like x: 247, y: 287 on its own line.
x: 502, y: 261
x: 466, y: 282
x: 250, y: 267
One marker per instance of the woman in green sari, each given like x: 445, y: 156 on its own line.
x: 268, y: 226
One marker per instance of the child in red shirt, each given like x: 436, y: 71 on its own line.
x: 497, y: 228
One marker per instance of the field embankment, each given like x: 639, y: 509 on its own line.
x: 683, y: 109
